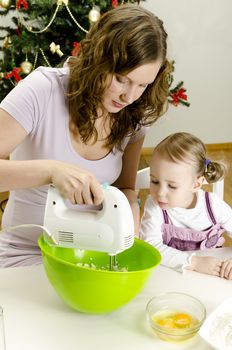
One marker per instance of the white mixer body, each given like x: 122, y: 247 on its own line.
x: 108, y: 229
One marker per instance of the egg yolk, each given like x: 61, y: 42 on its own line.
x: 166, y: 322
x: 174, y: 320
x: 182, y: 320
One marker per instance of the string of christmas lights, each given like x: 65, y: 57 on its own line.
x: 59, y: 3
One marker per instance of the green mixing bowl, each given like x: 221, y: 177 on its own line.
x: 92, y: 288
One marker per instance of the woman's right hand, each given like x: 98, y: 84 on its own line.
x: 76, y: 184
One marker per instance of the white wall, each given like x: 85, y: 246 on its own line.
x: 200, y: 42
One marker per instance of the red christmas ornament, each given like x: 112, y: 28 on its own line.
x: 114, y: 3
x: 14, y: 73
x: 76, y: 48
x: 18, y: 31
x: 178, y: 96
x: 23, y: 3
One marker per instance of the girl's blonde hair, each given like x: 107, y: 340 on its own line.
x: 185, y: 147
x: 123, y: 39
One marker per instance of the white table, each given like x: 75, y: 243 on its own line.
x: 37, y: 319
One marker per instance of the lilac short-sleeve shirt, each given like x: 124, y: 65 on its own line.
x: 39, y: 104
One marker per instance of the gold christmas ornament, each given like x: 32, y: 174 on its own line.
x: 61, y: 2
x: 26, y: 67
x: 1, y: 75
x: 5, y: 3
x: 94, y: 14
x: 6, y: 42
x: 56, y: 49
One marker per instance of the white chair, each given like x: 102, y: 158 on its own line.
x: 143, y: 182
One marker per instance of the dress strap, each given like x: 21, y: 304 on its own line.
x: 165, y: 215
x: 209, y: 209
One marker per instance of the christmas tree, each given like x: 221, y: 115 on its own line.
x: 45, y: 33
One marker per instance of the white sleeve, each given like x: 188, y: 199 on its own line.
x: 222, y: 212
x: 150, y: 231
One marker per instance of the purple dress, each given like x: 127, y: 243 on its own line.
x: 187, y: 239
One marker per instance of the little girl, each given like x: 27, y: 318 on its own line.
x: 178, y: 216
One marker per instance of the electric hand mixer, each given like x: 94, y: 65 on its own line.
x: 109, y: 229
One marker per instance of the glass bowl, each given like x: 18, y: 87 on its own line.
x: 175, y: 316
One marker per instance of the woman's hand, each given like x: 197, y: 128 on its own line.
x: 226, y: 269
x: 76, y: 184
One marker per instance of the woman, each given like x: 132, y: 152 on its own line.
x: 81, y: 125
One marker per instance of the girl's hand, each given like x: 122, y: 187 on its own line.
x: 206, y: 264
x: 76, y: 184
x: 226, y: 269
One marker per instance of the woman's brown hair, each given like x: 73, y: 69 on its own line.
x: 123, y: 39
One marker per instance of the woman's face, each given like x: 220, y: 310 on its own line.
x: 123, y: 90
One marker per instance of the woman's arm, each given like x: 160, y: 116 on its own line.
x: 11, y: 134
x: 74, y: 183
x: 127, y: 178
x: 18, y: 174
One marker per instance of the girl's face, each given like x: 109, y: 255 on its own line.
x: 125, y: 89
x: 173, y: 184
